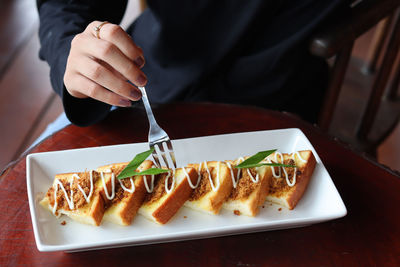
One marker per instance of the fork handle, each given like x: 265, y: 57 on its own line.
x: 147, y: 106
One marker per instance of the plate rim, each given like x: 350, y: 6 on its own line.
x: 198, y: 234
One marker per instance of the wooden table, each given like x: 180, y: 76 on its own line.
x: 368, y: 236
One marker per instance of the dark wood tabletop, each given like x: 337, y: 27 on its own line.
x: 368, y: 236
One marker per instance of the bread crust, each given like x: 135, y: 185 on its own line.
x: 168, y: 205
x: 212, y: 201
x: 302, y: 183
x: 292, y: 195
x: 250, y: 204
x: 133, y: 203
x: 97, y: 210
x: 123, y: 211
x: 176, y: 199
x: 90, y: 213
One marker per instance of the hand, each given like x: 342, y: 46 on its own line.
x: 100, y: 68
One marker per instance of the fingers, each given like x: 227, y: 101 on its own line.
x: 100, y: 68
x: 118, y: 50
x: 100, y: 74
x: 103, y: 76
x: 95, y: 91
x: 116, y: 35
x: 109, y: 53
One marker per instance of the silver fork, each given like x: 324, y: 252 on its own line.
x: 158, y: 138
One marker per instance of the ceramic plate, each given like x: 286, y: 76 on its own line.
x: 321, y: 201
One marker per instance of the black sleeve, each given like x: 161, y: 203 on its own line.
x: 224, y: 51
x: 60, y: 21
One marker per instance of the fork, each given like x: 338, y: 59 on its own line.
x: 158, y: 138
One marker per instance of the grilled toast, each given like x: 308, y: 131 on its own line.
x: 250, y: 190
x: 169, y: 193
x: 288, y: 185
x: 90, y: 196
x: 78, y: 195
x: 129, y: 194
x: 215, y: 186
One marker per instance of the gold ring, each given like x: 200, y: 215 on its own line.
x: 97, y: 29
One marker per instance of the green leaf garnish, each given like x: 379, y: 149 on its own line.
x: 254, y: 161
x: 272, y: 165
x: 130, y: 169
x: 151, y: 171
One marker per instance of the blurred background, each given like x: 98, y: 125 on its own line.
x: 28, y: 104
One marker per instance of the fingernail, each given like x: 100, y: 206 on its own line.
x: 125, y: 103
x: 141, y: 80
x: 139, y: 61
x: 136, y: 94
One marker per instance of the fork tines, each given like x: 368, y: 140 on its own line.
x: 163, y: 155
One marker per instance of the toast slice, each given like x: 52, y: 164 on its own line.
x: 214, y: 187
x: 250, y: 191
x: 169, y: 194
x: 287, y: 190
x: 128, y: 197
x: 77, y: 195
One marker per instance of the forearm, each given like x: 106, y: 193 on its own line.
x: 60, y: 21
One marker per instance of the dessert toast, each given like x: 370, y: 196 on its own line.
x: 250, y: 190
x: 215, y: 186
x: 78, y: 195
x: 90, y: 196
x: 169, y: 193
x: 129, y: 194
x: 287, y: 185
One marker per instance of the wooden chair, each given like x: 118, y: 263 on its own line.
x: 336, y: 39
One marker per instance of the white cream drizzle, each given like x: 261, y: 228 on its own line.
x: 287, y: 177
x: 70, y: 201
x: 292, y: 155
x: 214, y: 188
x: 234, y: 180
x: 255, y: 180
x: 87, y: 198
x: 298, y: 155
x: 169, y: 190
x: 150, y: 190
x: 112, y: 186
x: 279, y: 168
x: 189, y: 181
x: 126, y: 189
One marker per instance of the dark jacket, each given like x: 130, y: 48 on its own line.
x: 232, y: 51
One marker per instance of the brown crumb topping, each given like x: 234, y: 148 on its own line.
x: 236, y: 212
x: 245, y: 185
x: 78, y: 198
x: 118, y: 170
x: 279, y: 186
x: 61, y: 202
x: 204, y: 185
x: 159, y: 188
x: 63, y: 223
x: 84, y: 182
x: 120, y: 193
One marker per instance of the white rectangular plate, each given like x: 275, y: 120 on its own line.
x: 321, y: 201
